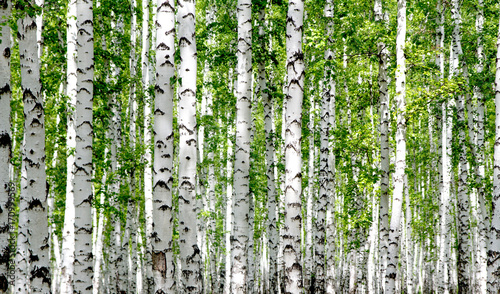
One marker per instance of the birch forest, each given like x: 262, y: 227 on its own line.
x: 249, y: 146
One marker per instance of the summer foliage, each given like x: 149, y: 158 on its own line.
x: 249, y: 146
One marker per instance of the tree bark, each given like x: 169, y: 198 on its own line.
x: 293, y: 159
x: 400, y: 166
x: 162, y: 234
x: 191, y: 279
x: 33, y: 233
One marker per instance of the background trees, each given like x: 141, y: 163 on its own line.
x: 190, y: 171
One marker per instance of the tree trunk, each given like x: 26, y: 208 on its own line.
x: 191, y: 279
x: 162, y: 234
x: 293, y: 159
x: 7, y: 188
x: 147, y: 78
x: 68, y: 242
x: 241, y: 205
x: 400, y: 166
x: 33, y: 234
x: 82, y: 179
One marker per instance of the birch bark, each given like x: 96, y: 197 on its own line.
x: 68, y: 242
x: 33, y: 234
x: 241, y: 205
x: 191, y: 279
x: 162, y: 234
x: 394, y: 235
x: 82, y: 179
x: 293, y: 136
x: 383, y: 220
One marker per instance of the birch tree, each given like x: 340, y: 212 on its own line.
x: 82, y: 177
x: 191, y: 280
x: 384, y: 148
x: 241, y: 205
x: 293, y: 136
x: 68, y: 242
x: 400, y: 166
x: 32, y: 257
x: 5, y: 144
x: 163, y: 258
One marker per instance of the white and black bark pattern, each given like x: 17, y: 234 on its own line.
x: 494, y: 249
x: 324, y: 182
x: 383, y: 55
x: 82, y: 179
x: 400, y: 165
x: 33, y: 232
x: 5, y: 142
x: 464, y: 246
x: 293, y: 158
x: 241, y: 204
x: 68, y: 241
x: 267, y: 100
x: 162, y: 242
x: 330, y: 214
x: 191, y: 280
x: 147, y: 77
x: 483, y: 216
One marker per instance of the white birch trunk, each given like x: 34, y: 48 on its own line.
x: 241, y: 206
x: 68, y: 234
x: 147, y: 77
x: 482, y: 215
x: 82, y: 179
x: 6, y: 187
x: 309, y: 247
x: 191, y: 279
x: 494, y: 248
x: 32, y: 258
x: 163, y: 262
x: 98, y: 244
x: 229, y: 209
x: 293, y: 159
x: 463, y: 250
x: 400, y: 165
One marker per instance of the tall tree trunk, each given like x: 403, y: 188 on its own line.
x: 293, y: 159
x: 494, y: 249
x: 68, y: 234
x: 383, y: 55
x: 147, y: 78
x: 6, y: 187
x: 82, y: 179
x: 400, y: 166
x: 483, y: 215
x: 191, y: 280
x: 241, y: 205
x: 463, y: 250
x: 162, y: 234
x: 33, y: 234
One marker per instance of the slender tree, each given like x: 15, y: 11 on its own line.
x: 68, y: 242
x: 399, y: 184
x: 33, y: 234
x: 241, y: 206
x: 191, y: 280
x: 293, y: 159
x: 163, y: 258
x: 82, y: 178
